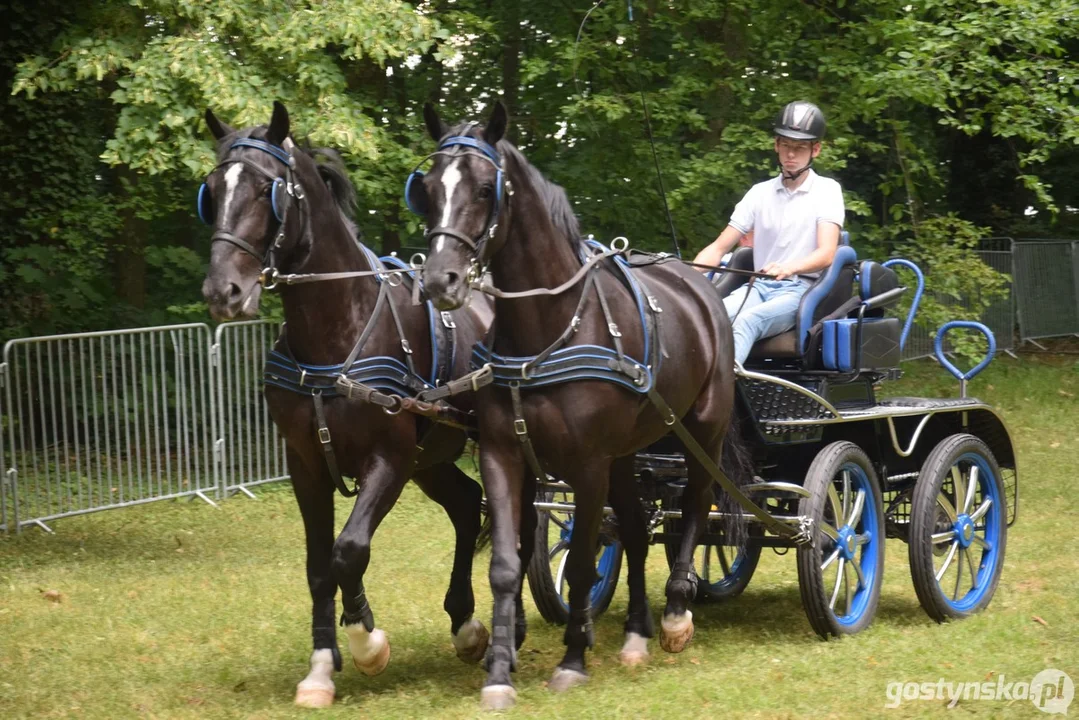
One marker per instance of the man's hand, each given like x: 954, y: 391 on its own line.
x: 781, y: 271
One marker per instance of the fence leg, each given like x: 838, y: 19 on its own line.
x: 1037, y: 344
x: 43, y: 526
x: 1012, y: 354
x: 201, y: 495
x: 247, y: 492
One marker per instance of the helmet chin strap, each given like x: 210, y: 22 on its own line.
x: 797, y: 173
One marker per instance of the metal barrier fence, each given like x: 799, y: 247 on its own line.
x: 249, y: 449
x: 106, y: 419
x: 1047, y: 288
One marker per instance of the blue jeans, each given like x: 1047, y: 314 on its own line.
x: 769, y: 310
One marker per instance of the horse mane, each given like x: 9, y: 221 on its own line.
x: 552, y: 195
x: 331, y: 168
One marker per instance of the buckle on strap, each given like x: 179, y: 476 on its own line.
x: 324, y: 435
x: 447, y: 321
x: 519, y: 427
x: 613, y: 328
x: 406, y: 347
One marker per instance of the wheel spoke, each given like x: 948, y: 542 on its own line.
x: 722, y: 554
x: 856, y: 511
x: 828, y: 530
x: 850, y: 588
x: 862, y: 539
x: 858, y: 571
x: 958, y: 573
x: 837, y: 506
x: 983, y: 542
x: 982, y: 510
x: 972, y: 485
x: 946, y: 505
x: 558, y: 547
x: 564, y: 524
x: 838, y: 582
x: 941, y: 538
x: 970, y: 566
x: 846, y: 493
x: 958, y: 489
x: 830, y: 560
x: 560, y: 576
x: 947, y: 560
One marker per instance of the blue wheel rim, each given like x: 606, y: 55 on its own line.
x: 736, y: 569
x: 966, y: 570
x: 857, y: 547
x: 605, y: 568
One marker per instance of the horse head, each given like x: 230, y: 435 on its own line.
x: 463, y: 198
x: 247, y: 200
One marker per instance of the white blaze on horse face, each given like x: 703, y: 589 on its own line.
x: 450, y: 179
x: 232, y: 179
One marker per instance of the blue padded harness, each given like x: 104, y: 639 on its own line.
x: 583, y: 362
x: 382, y: 372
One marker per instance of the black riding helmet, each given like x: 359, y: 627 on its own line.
x: 800, y: 120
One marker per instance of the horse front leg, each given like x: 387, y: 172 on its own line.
x: 314, y: 495
x: 676, y: 628
x: 503, y: 471
x: 381, y: 486
x: 461, y: 497
x: 633, y: 532
x: 589, y: 480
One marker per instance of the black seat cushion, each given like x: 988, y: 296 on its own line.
x: 783, y: 345
x: 728, y: 282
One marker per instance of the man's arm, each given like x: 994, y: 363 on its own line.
x: 819, y: 259
x: 719, y: 247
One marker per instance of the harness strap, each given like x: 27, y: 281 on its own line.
x: 521, y: 429
x: 471, y: 382
x: 393, y: 404
x: 574, y: 324
x: 383, y: 291
x: 491, y: 290
x: 691, y: 444
x: 413, y: 379
x: 327, y: 448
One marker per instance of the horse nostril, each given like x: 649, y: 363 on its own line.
x: 234, y: 292
x: 451, y: 279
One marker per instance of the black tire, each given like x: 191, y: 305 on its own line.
x: 858, y: 546
x: 723, y: 571
x: 982, y: 538
x: 544, y: 578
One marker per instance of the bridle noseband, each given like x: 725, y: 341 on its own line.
x: 284, y: 191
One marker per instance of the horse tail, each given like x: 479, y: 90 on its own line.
x: 736, y: 462
x: 486, y: 536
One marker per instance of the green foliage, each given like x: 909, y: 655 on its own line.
x: 964, y: 107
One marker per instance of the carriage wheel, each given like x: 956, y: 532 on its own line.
x: 546, y: 570
x: 839, y: 574
x: 723, y: 571
x: 958, y: 528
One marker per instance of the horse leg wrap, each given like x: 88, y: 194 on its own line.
x: 502, y: 636
x: 579, y: 627
x: 683, y: 572
x: 326, y: 638
x: 642, y: 624
x: 362, y: 613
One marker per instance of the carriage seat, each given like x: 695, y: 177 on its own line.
x: 831, y: 290
x: 858, y: 336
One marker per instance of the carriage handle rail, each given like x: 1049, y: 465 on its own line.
x: 938, y: 350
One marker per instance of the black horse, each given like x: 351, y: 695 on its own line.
x: 276, y: 207
x: 627, y: 342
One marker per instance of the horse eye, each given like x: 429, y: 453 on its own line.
x: 485, y: 192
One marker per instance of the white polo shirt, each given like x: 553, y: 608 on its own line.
x: 784, y: 222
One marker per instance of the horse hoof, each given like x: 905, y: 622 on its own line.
x: 635, y: 651
x: 314, y: 697
x: 676, y: 632
x: 370, y: 651
x: 564, y: 679
x: 498, y: 697
x: 470, y: 642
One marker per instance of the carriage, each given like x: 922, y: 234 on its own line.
x: 938, y: 474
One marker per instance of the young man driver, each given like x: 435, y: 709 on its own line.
x: 795, y: 219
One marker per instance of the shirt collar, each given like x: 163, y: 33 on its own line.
x: 806, y: 186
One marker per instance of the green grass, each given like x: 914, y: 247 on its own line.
x: 179, y: 610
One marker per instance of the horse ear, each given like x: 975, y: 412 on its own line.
x: 496, y: 126
x: 278, y: 124
x: 435, y: 127
x: 218, y: 128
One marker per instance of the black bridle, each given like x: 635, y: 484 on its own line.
x: 282, y: 199
x: 503, y: 191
